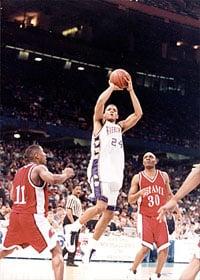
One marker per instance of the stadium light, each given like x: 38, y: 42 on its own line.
x: 70, y: 31
x: 81, y: 68
x: 68, y: 65
x: 179, y: 43
x: 23, y: 55
x: 38, y: 59
x: 196, y: 47
x: 17, y: 135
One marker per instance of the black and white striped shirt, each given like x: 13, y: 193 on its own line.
x: 74, y: 204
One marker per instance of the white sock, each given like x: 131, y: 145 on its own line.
x: 77, y: 225
x: 92, y: 243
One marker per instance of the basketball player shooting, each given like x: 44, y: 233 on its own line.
x: 106, y: 166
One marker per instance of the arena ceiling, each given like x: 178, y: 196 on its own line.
x: 60, y: 14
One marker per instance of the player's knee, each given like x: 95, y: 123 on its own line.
x: 108, y: 215
x: 100, y: 207
x: 57, y: 259
x: 165, y: 251
x: 145, y: 250
x: 57, y: 254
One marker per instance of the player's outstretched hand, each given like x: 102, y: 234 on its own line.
x: 170, y: 205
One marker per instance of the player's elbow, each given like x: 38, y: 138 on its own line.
x: 139, y: 115
x: 52, y: 180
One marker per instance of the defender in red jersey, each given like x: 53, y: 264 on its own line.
x: 191, y: 182
x: 28, y: 223
x: 150, y: 189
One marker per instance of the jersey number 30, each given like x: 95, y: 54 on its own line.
x: 20, y: 197
x: 153, y: 200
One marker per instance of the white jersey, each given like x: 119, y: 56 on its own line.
x: 107, y: 155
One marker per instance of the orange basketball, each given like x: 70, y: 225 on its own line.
x: 118, y: 77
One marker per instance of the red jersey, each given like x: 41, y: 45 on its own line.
x: 28, y: 198
x: 156, y: 194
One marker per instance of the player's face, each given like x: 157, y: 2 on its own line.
x: 77, y: 191
x: 111, y: 113
x: 149, y: 160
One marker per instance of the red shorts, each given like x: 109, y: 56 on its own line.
x: 152, y: 231
x: 29, y: 229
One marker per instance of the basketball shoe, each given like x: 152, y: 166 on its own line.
x: 87, y: 255
x: 89, y: 250
x: 155, y: 276
x: 131, y: 275
x: 70, y: 237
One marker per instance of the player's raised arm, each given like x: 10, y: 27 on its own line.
x: 132, y: 119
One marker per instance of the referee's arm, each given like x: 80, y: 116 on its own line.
x: 69, y: 215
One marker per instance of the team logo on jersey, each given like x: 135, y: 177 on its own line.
x: 112, y: 129
x: 154, y: 189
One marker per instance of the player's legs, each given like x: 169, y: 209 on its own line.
x: 98, y: 231
x: 102, y: 224
x: 191, y: 270
x: 110, y: 191
x: 93, y: 211
x: 146, y: 236
x: 132, y: 274
x: 101, y: 200
x: 87, y: 216
x: 75, y: 227
x: 57, y: 262
x: 105, y: 196
x: 139, y: 257
x: 100, y: 207
x: 161, y: 260
x: 161, y: 236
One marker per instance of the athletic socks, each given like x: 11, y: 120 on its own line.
x: 76, y: 226
x: 92, y: 243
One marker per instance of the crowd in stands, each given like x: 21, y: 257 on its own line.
x: 183, y: 7
x: 62, y: 102
x: 125, y: 218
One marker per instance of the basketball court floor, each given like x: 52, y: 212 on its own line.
x: 29, y: 269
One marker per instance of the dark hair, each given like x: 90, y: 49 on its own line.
x: 30, y: 152
x: 110, y: 105
x: 76, y: 185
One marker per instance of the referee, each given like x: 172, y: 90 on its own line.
x: 73, y: 212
